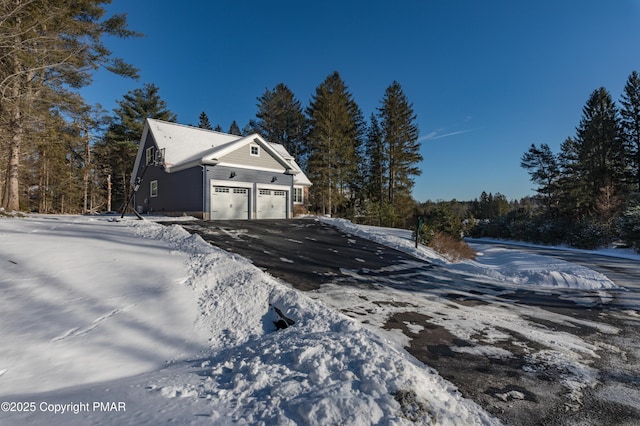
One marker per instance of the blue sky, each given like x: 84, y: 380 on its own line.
x: 486, y: 78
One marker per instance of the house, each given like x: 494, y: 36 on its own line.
x: 184, y: 170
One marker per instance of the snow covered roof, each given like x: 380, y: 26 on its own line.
x: 182, y: 143
x: 186, y: 146
x: 300, y: 178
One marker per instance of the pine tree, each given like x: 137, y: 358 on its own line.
x: 135, y: 107
x: 400, y: 135
x: 375, y: 170
x: 335, y: 139
x: 573, y: 196
x: 234, y: 129
x: 280, y: 119
x: 116, y: 152
x: 48, y: 50
x: 630, y: 113
x: 544, y: 170
x: 248, y: 129
x: 203, y: 121
x: 601, y: 154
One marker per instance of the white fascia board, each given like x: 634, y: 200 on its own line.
x: 248, y: 167
x: 190, y: 164
x: 136, y: 165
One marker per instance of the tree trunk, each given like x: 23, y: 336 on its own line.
x: 87, y: 162
x: 109, y: 193
x: 11, y: 199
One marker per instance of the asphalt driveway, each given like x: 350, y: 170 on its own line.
x: 397, y: 293
x: 306, y: 253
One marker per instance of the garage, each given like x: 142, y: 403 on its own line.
x: 271, y: 204
x: 229, y: 203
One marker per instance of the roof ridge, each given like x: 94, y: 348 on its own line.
x: 192, y: 127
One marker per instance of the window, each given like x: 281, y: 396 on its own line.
x: 149, y: 157
x: 154, y: 188
x: 255, y: 150
x: 297, y: 195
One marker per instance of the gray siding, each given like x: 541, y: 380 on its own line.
x: 179, y: 192
x: 242, y: 156
x: 248, y: 175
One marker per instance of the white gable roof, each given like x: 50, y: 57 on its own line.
x: 187, y: 146
x: 184, y: 143
x: 300, y: 178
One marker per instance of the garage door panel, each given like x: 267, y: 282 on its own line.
x: 271, y: 204
x: 229, y: 203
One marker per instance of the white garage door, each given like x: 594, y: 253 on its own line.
x: 229, y: 203
x: 271, y: 204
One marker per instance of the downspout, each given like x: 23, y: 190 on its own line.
x: 205, y: 212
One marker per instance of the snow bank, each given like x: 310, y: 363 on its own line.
x: 507, y: 266
x: 324, y: 369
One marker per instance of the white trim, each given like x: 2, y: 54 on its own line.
x: 151, y: 191
x: 249, y: 167
x: 257, y: 147
x: 230, y: 183
x: 148, y: 159
x: 274, y: 187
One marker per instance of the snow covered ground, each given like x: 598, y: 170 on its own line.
x: 133, y: 322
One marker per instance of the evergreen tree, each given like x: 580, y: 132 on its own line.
x: 116, y: 152
x: 573, y: 196
x: 601, y: 154
x: 335, y: 139
x: 375, y: 170
x: 630, y: 113
x: 400, y: 135
x: 234, y: 129
x: 48, y: 50
x: 203, y: 121
x: 52, y: 167
x: 135, y: 107
x: 280, y: 119
x: 248, y: 129
x: 544, y: 170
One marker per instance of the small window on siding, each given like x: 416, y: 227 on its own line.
x: 297, y: 195
x: 255, y: 150
x: 149, y: 155
x: 154, y: 188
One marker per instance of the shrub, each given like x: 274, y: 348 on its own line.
x: 453, y: 249
x: 300, y: 210
x: 443, y: 219
x: 589, y: 233
x: 628, y: 227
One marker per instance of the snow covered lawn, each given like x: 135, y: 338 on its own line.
x: 171, y: 329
